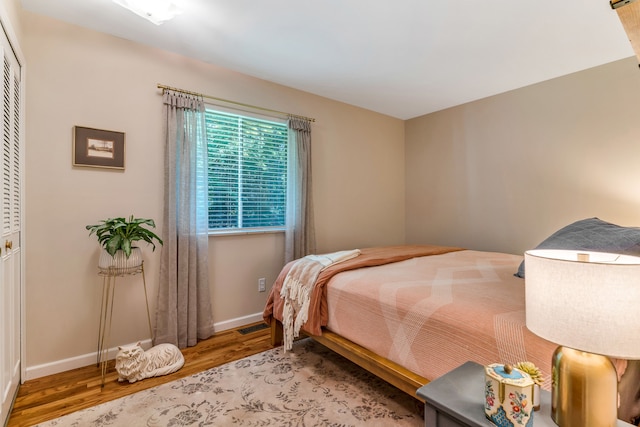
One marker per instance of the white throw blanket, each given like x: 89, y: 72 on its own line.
x: 298, y: 286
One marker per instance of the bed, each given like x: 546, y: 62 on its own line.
x: 409, y: 314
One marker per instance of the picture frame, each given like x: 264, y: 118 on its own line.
x: 98, y: 148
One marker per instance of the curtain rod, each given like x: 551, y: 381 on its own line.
x: 164, y: 87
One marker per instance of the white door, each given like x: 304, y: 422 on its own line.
x: 10, y: 228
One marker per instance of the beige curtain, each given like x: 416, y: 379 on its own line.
x: 300, y: 239
x: 184, y: 307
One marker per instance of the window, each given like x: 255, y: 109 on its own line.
x: 247, y: 172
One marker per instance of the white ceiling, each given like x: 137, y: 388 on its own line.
x: 404, y: 58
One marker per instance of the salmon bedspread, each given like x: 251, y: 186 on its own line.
x: 369, y: 257
x: 432, y: 314
x: 430, y: 309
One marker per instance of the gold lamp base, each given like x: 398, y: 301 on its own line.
x: 585, y: 389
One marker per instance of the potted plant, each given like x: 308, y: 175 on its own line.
x: 116, y: 236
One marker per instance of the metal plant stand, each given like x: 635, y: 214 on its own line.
x: 109, y: 276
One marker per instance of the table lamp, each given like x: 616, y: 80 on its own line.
x: 588, y: 303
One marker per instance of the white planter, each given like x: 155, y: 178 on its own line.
x: 119, y: 264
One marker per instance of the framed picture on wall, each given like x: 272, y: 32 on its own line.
x: 98, y: 148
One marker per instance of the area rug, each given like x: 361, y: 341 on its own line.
x: 307, y: 386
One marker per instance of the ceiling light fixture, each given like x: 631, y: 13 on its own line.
x: 156, y: 11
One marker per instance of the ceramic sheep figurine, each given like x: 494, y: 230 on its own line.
x: 134, y: 364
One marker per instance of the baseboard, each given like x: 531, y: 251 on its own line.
x: 58, y: 366
x: 33, y: 372
x: 237, y: 322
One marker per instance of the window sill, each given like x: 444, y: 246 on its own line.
x: 245, y: 231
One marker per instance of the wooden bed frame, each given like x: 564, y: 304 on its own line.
x: 382, y: 367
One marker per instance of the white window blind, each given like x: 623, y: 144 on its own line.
x: 247, y: 171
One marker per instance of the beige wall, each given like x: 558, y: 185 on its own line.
x: 504, y: 172
x: 80, y: 77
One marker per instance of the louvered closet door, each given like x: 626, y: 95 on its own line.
x: 11, y: 226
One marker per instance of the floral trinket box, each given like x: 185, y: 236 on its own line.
x: 508, y: 396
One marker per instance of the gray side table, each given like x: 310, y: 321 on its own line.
x: 457, y: 399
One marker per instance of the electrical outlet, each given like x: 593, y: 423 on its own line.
x: 262, y: 284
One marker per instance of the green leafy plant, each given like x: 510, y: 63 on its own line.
x: 120, y: 233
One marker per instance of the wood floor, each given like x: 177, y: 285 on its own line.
x: 45, y: 398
